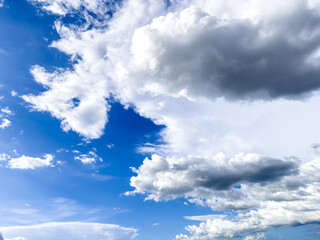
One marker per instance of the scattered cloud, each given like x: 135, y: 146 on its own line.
x: 4, y: 157
x: 89, y: 158
x: 5, y: 123
x: 5, y: 113
x: 69, y: 230
x: 259, y: 236
x: 64, y: 7
x: 26, y: 162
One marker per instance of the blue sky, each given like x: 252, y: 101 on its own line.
x: 187, y: 120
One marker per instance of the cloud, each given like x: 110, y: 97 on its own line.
x: 170, y: 178
x: 259, y: 236
x: 1, y: 3
x: 76, y: 98
x: 292, y: 201
x: 26, y: 162
x: 89, y: 158
x: 64, y: 7
x: 69, y: 230
x: 5, y: 113
x: 195, y: 54
x: 180, y: 65
x: 5, y: 123
x: 4, y: 157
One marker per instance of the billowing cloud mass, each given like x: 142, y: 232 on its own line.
x: 170, y: 178
x: 194, y: 53
x: 26, y: 162
x: 223, y: 77
x: 68, y: 230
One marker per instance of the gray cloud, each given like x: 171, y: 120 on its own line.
x: 203, y: 55
x: 169, y: 178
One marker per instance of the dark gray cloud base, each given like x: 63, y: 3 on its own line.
x: 236, y: 58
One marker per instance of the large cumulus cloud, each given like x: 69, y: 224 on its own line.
x: 169, y: 178
x: 197, y: 54
x: 180, y: 65
x: 287, y: 197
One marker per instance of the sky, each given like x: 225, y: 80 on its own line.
x: 159, y: 119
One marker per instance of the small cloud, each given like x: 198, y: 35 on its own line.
x: 6, y: 111
x: 111, y: 145
x: 4, y: 157
x: 89, y: 158
x: 25, y: 162
x: 5, y: 123
x: 156, y: 224
x: 14, y: 93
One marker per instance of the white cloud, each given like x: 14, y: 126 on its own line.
x: 26, y: 162
x: 69, y: 230
x: 259, y: 236
x: 6, y: 111
x: 89, y: 158
x: 63, y: 7
x: 1, y: 3
x: 180, y: 66
x: 4, y: 157
x: 170, y: 178
x: 5, y: 123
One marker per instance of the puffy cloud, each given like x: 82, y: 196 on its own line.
x: 26, y: 162
x: 1, y: 3
x: 287, y: 197
x: 271, y: 216
x: 77, y: 98
x: 69, y: 230
x: 170, y: 178
x: 292, y: 201
x: 5, y: 123
x: 195, y: 54
x: 89, y: 158
x: 179, y: 66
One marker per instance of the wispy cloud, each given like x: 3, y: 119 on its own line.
x: 69, y: 230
